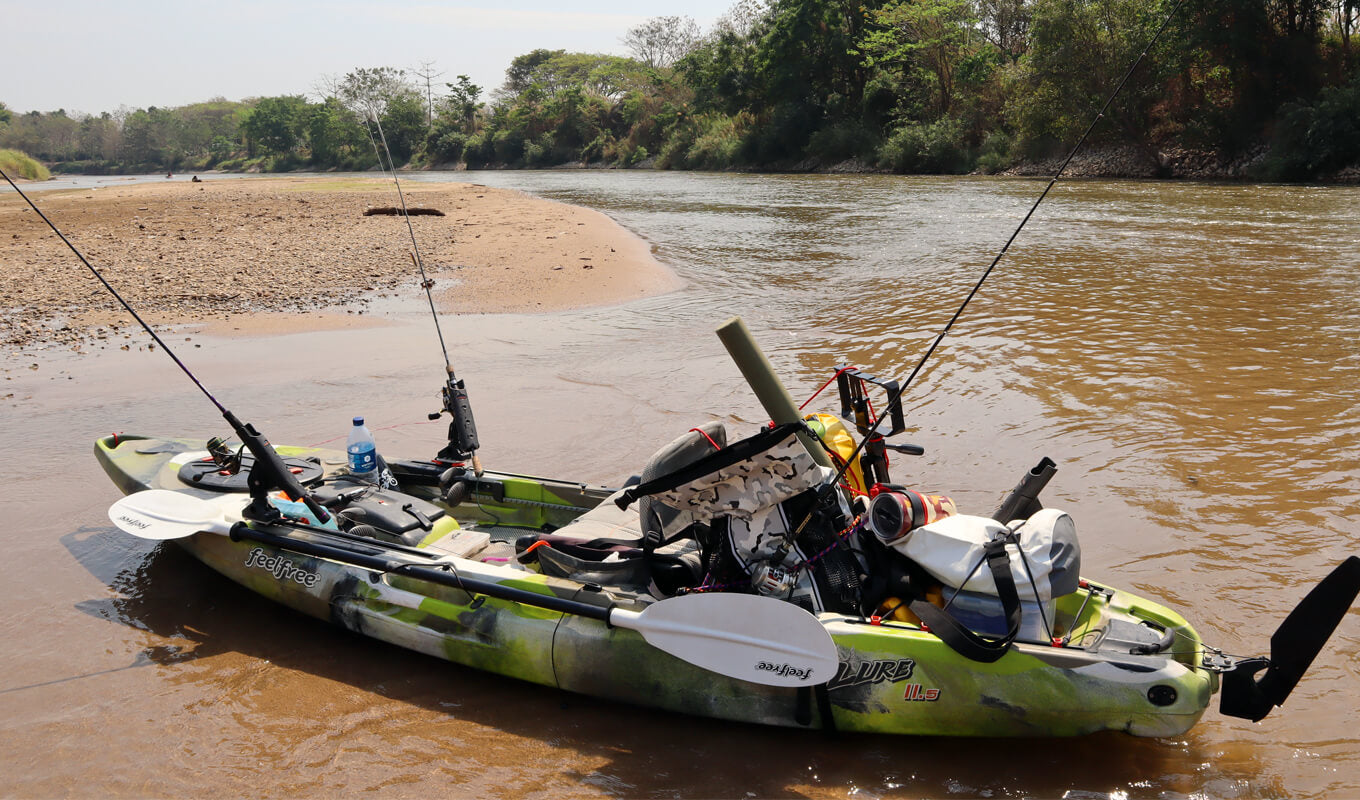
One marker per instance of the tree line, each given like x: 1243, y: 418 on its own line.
x: 940, y: 86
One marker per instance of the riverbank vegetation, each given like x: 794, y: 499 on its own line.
x: 19, y: 165
x: 1263, y: 89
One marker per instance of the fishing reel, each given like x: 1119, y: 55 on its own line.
x: 774, y: 581
x: 894, y: 512
x: 226, y: 461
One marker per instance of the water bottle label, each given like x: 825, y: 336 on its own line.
x: 362, y: 460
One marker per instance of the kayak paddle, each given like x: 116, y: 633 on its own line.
x: 752, y: 638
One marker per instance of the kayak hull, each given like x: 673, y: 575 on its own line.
x: 892, y: 677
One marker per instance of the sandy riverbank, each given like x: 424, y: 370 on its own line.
x: 212, y: 252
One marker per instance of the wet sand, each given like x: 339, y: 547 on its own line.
x: 302, y: 250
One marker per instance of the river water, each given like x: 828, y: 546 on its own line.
x: 1189, y: 354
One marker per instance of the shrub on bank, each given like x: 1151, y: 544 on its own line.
x: 996, y: 153
x: 16, y: 164
x: 935, y: 148
x: 446, y: 146
x: 842, y: 141
x: 708, y: 141
x: 1315, y: 140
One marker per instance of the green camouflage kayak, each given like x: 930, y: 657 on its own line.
x: 1114, y: 661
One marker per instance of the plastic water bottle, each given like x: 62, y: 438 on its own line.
x: 363, y: 452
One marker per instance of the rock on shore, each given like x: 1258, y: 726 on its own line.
x: 1131, y: 162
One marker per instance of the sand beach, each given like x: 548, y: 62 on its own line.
x: 294, y: 253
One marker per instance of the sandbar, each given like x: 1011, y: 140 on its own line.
x: 295, y: 253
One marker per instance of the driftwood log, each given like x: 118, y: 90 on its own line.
x: 391, y: 211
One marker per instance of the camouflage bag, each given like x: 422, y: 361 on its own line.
x: 743, y: 479
x: 753, y: 494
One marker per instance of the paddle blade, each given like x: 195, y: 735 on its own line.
x: 1293, y: 647
x: 160, y: 514
x: 756, y: 639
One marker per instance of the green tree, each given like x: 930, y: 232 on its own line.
x: 368, y: 90
x: 403, y: 125
x: 722, y: 73
x: 148, y: 139
x: 275, y: 125
x: 520, y: 73
x: 661, y: 41
x: 336, y: 137
x: 1079, y: 49
x: 1005, y: 23
x: 462, y: 103
x: 99, y: 138
x: 1347, y: 19
x: 927, y: 39
x: 1317, y: 139
x: 557, y: 106
x: 809, y: 72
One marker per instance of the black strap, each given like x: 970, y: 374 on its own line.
x: 721, y: 459
x: 823, y: 696
x: 965, y: 642
x: 641, y: 543
x: 802, y: 707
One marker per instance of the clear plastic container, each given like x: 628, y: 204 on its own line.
x: 363, y: 452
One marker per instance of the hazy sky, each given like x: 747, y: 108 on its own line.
x: 96, y: 55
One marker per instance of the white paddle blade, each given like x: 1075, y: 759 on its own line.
x: 160, y: 514
x: 753, y: 638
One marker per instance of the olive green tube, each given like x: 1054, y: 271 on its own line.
x: 755, y: 367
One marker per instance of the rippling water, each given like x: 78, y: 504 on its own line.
x: 1188, y: 353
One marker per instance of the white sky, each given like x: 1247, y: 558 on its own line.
x: 96, y: 55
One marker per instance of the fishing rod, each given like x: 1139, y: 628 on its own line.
x: 269, y: 472
x: 462, y: 439
x: 896, y: 402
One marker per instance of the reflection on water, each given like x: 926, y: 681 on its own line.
x: 1188, y: 353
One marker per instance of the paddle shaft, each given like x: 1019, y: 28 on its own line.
x: 747, y: 637
x: 788, y: 646
x: 500, y: 591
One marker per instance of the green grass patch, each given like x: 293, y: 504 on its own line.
x: 16, y: 164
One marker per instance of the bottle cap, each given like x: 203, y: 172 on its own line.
x: 358, y: 420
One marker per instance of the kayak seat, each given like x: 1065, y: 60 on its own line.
x: 660, y: 521
x: 648, y: 546
x: 605, y: 546
x: 606, y: 521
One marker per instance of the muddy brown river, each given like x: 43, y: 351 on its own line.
x: 1189, y: 354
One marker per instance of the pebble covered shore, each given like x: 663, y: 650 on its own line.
x: 214, y: 251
